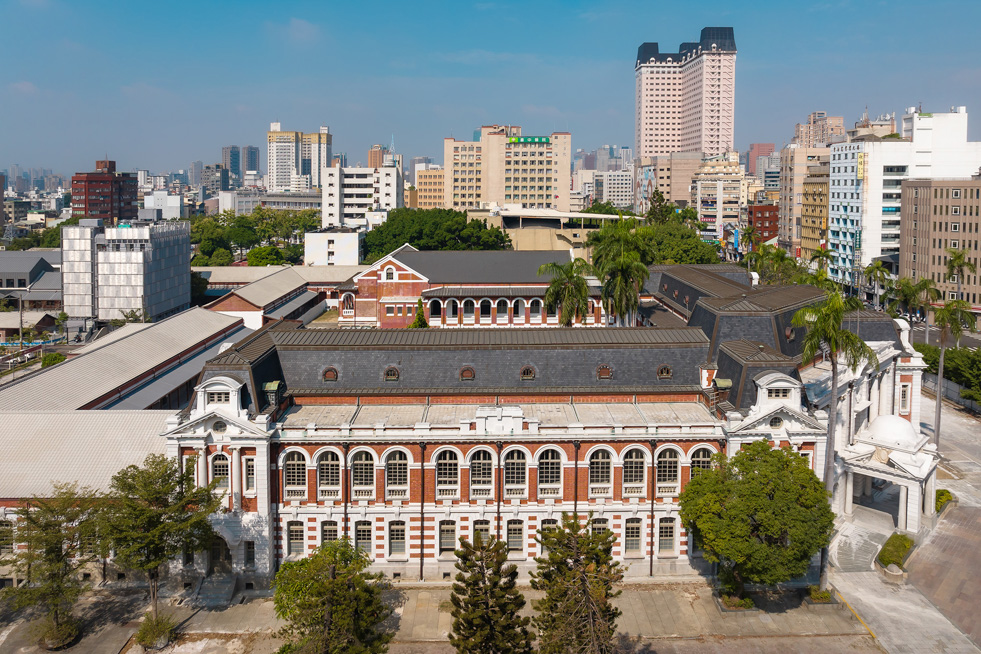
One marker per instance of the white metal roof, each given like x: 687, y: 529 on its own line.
x: 83, y: 379
x: 11, y: 319
x: 269, y: 289
x: 87, y: 447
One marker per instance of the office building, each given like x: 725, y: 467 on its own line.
x: 717, y: 193
x: 105, y: 194
x: 938, y: 214
x: 250, y: 158
x: 315, y: 155
x: 351, y: 193
x: 814, y: 209
x: 107, y: 271
x: 232, y: 162
x: 685, y: 100
x: 214, y: 179
x: 615, y: 187
x: 867, y: 177
x: 376, y: 156
x: 505, y: 168
x: 757, y: 150
x: 170, y: 206
x: 416, y: 163
x: 194, y: 173
x: 429, y: 188
x: 820, y: 130
x: 333, y: 246
x: 339, y: 160
x: 794, y: 161
x: 670, y: 174
x: 290, y: 153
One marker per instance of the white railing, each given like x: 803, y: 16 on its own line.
x: 667, y: 489
x: 363, y: 493
x: 479, y: 491
x: 633, y: 490
x: 447, y: 491
x: 330, y: 493
x: 549, y: 491
x: 599, y: 490
x: 397, y: 493
x: 514, y: 491
x: 296, y: 493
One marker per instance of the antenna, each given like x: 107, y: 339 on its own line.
x: 391, y: 148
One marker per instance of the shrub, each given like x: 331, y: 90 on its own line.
x: 57, y: 636
x: 52, y: 358
x: 152, y: 630
x: 818, y: 595
x: 733, y: 602
x: 894, y: 550
x: 943, y: 496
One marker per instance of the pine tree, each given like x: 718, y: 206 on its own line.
x: 577, y: 574
x: 420, y: 319
x: 486, y: 601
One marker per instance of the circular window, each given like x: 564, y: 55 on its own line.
x: 219, y: 427
x: 776, y: 422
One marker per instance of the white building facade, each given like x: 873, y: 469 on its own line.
x: 350, y: 193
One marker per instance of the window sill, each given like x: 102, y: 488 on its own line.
x: 401, y: 558
x: 635, y: 557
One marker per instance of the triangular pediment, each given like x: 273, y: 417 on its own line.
x: 762, y: 421
x: 208, y: 418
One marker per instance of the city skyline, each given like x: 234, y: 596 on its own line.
x: 436, y: 80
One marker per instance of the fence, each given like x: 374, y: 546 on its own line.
x: 952, y: 392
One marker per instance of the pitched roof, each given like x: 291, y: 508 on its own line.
x: 11, y: 319
x: 84, y: 379
x: 700, y: 278
x: 267, y: 290
x: 87, y: 447
x: 746, y: 351
x: 766, y: 299
x: 481, y: 267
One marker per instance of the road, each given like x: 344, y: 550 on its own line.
x: 919, y: 336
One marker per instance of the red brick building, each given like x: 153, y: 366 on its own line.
x: 105, y: 194
x: 765, y: 219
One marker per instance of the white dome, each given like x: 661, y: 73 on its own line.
x: 893, y: 432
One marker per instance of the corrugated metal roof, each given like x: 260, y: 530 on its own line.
x: 120, y: 332
x: 293, y: 305
x: 489, y: 291
x: 328, y: 274
x: 488, y: 338
x: 269, y: 289
x: 83, y: 379
x: 87, y: 447
x: 235, y: 274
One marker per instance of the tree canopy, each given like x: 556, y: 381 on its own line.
x: 432, y: 229
x: 762, y: 514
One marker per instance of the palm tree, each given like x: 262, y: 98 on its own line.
x: 952, y: 318
x: 824, y: 258
x: 622, y: 280
x: 613, y: 240
x: 928, y: 294
x: 877, y: 273
x: 823, y: 323
x: 957, y: 263
x: 907, y: 295
x: 568, y: 290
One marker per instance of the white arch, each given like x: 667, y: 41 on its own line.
x: 444, y: 448
x: 614, y: 457
x: 325, y: 449
x: 474, y: 450
x: 512, y: 448
x: 386, y: 269
x: 697, y: 446
x: 682, y: 458
x: 636, y: 446
x: 396, y: 448
x: 361, y: 448
x: 563, y: 458
x: 293, y: 448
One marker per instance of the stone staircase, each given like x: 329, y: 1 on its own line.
x: 859, y: 539
x: 216, y: 590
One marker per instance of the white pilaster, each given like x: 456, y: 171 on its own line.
x: 849, y: 491
x: 236, y: 479
x: 903, y: 507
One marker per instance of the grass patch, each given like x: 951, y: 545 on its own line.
x: 943, y: 496
x: 818, y: 595
x: 152, y: 631
x: 733, y: 602
x: 895, y: 550
x: 445, y: 606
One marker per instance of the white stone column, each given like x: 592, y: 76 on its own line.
x: 903, y: 507
x: 849, y: 491
x: 886, y: 392
x: 867, y: 486
x: 202, y: 466
x: 930, y: 497
x: 874, y: 407
x: 236, y: 479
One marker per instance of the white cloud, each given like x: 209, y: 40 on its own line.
x: 297, y: 31
x: 22, y: 88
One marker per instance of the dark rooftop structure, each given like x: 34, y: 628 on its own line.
x: 720, y: 39
x: 481, y: 267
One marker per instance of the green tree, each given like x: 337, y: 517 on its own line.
x: 661, y: 211
x: 330, y: 603
x: 58, y: 535
x: 266, y: 255
x: 432, y: 229
x: 614, y: 240
x: 568, y: 289
x: 622, y: 281
x: 952, y: 319
x: 762, y: 514
x: 419, y: 322
x: 876, y: 273
x: 606, y: 208
x: 824, y: 257
x: 200, y: 261
x: 957, y: 262
x: 155, y: 513
x: 486, y: 601
x: 577, y: 575
x: 51, y: 359
x: 60, y: 321
x: 199, y: 288
x: 242, y: 237
x: 222, y: 257
x: 823, y: 324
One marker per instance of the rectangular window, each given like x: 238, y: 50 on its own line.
x: 362, y: 536
x: 328, y: 531
x: 631, y: 536
x: 249, y: 475
x: 599, y: 525
x: 294, y: 538
x: 447, y: 537
x: 250, y: 554
x: 665, y: 536
x: 777, y: 393
x: 481, y: 527
x: 389, y: 311
x: 546, y: 524
x: 396, y: 539
x: 219, y: 398
x: 515, y: 534
x: 904, y: 396
x: 6, y: 537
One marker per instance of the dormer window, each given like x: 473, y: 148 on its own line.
x: 392, y: 374
x: 330, y: 374
x: 467, y: 374
x: 778, y: 393
x: 219, y: 397
x: 604, y: 372
x: 664, y: 372
x: 527, y: 373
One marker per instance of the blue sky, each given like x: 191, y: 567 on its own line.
x: 159, y: 84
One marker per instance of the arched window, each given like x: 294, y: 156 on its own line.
x: 485, y: 308
x: 348, y: 302
x: 550, y: 473
x: 599, y: 525
x: 219, y: 471
x: 467, y: 374
x: 447, y: 473
x: 667, y: 472
x: 600, y: 472
x: 481, y: 528
x: 633, y: 472
x: 397, y: 475
x: 536, y: 309
x: 701, y: 459
x: 515, y: 536
x: 389, y: 274
x: 543, y: 527
x: 391, y: 374
x: 502, y: 310
x: 519, y: 309
x: 604, y: 372
x: 481, y: 474
x: 527, y: 373
x: 451, y: 308
x: 435, y: 309
x: 330, y: 374
x: 362, y: 536
x: 6, y: 537
x: 468, y: 308
x: 295, y: 476
x: 664, y: 372
x: 363, y: 475
x: 329, y: 476
x: 515, y: 473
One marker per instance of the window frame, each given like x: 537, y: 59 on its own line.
x: 295, y: 547
x: 634, y: 463
x: 550, y: 463
x: 447, y: 474
x: 329, y: 469
x: 363, y: 475
x: 329, y: 531
x: 446, y: 537
x: 515, y: 466
x: 294, y: 467
x: 483, y: 490
x: 668, y: 460
x: 360, y: 541
x: 330, y: 374
x: 600, y: 473
x: 397, y: 528
x: 221, y: 458
x: 630, y: 538
x: 396, y: 475
x: 515, y: 542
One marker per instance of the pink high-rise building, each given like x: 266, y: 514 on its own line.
x: 686, y: 99
x: 757, y: 150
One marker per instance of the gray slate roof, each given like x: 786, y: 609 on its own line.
x: 87, y: 447
x: 481, y: 267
